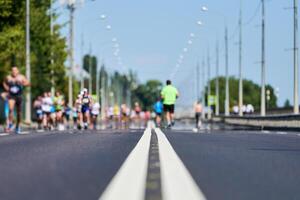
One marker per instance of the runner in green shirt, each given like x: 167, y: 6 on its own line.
x: 169, y: 95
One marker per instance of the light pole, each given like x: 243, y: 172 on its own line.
x: 82, y: 63
x: 203, y: 88
x: 240, y: 62
x: 90, y: 71
x: 197, y: 82
x: 208, y: 85
x: 296, y: 65
x: 217, y: 80
x: 71, y: 4
x: 227, y: 112
x: 52, y: 61
x: 28, y: 68
x: 263, y: 70
x: 71, y: 7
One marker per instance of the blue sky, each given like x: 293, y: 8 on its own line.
x: 152, y: 35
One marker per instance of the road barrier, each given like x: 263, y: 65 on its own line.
x: 284, y: 122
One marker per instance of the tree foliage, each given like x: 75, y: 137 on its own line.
x: 44, y: 46
x: 147, y: 94
x: 251, y: 93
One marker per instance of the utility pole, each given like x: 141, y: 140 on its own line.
x: 203, y: 89
x: 28, y: 68
x: 217, y: 80
x: 227, y: 112
x: 296, y: 64
x: 90, y: 71
x: 103, y: 91
x: 82, y: 63
x: 97, y: 83
x: 71, y: 7
x: 208, y: 85
x: 263, y: 70
x: 198, y: 82
x: 240, y: 61
x: 51, y: 41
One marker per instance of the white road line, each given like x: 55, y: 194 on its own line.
x: 24, y: 133
x: 130, y: 181
x: 177, y: 183
x: 265, y: 132
x: 282, y: 133
x: 4, y: 134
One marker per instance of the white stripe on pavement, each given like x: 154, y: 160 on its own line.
x: 130, y: 181
x: 4, y: 134
x: 177, y: 183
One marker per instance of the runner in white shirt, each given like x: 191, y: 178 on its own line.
x: 47, y: 104
x: 95, y: 111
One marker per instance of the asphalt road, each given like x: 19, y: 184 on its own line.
x: 61, y: 165
x: 242, y: 165
x: 80, y: 165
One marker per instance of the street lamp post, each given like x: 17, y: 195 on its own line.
x: 28, y: 68
x: 208, y: 86
x: 90, y: 71
x: 51, y: 53
x: 240, y: 63
x: 227, y: 112
x: 203, y: 88
x: 263, y: 70
x: 217, y: 80
x: 296, y: 65
x: 71, y: 7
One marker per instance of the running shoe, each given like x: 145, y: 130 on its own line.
x: 18, y: 130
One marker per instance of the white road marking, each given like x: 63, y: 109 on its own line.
x: 282, y: 133
x: 130, y: 181
x: 265, y: 132
x: 177, y: 183
x: 4, y: 134
x: 24, y: 133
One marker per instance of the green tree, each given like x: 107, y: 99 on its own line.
x: 251, y: 93
x: 44, y: 46
x: 90, y: 60
x: 287, y: 104
x: 147, y: 94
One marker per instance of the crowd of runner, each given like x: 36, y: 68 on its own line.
x: 53, y: 113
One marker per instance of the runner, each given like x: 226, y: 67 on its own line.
x: 158, y: 109
x: 59, y: 102
x: 124, y: 116
x: 95, y: 111
x: 198, y: 111
x: 6, y: 110
x: 14, y: 84
x: 47, y: 104
x: 37, y: 105
x: 67, y: 114
x: 75, y: 117
x: 86, y: 101
x: 137, y: 111
x: 169, y: 95
x: 116, y: 111
x: 77, y: 112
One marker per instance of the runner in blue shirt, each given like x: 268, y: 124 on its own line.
x: 158, y: 109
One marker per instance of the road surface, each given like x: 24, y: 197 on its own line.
x: 150, y: 164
